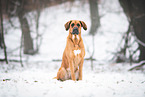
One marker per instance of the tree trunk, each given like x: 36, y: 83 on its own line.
x: 95, y: 19
x: 2, y: 32
x: 27, y: 39
x: 1, y: 43
x: 135, y: 10
x: 28, y: 42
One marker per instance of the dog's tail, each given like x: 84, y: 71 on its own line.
x: 55, y: 78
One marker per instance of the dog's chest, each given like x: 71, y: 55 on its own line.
x: 77, y: 52
x: 77, y: 58
x: 75, y: 37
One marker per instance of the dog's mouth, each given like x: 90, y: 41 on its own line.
x: 75, y: 31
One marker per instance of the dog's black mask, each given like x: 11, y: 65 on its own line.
x: 75, y: 31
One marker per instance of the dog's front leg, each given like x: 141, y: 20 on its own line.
x: 81, y: 69
x: 72, y: 70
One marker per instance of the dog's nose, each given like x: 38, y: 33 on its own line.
x: 75, y: 31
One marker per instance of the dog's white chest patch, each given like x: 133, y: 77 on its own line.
x: 77, y: 36
x: 77, y: 52
x: 73, y: 36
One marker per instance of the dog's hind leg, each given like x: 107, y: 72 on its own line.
x: 62, y: 74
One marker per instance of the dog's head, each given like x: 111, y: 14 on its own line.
x: 74, y: 26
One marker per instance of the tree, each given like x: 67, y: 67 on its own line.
x: 135, y: 11
x: 28, y: 42
x: 2, y: 33
x: 95, y: 19
x: 1, y: 43
x: 19, y: 8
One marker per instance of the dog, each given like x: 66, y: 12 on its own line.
x: 73, y: 55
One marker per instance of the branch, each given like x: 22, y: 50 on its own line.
x: 140, y: 64
x: 139, y: 41
x: 2, y: 60
x: 21, y: 42
x: 59, y: 60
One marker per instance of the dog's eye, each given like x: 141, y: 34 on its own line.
x: 78, y: 25
x: 72, y: 24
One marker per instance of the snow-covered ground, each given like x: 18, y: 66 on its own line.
x: 35, y: 79
x: 103, y: 81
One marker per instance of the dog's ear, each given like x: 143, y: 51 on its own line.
x: 67, y: 25
x: 83, y: 25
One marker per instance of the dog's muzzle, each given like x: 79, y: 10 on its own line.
x: 75, y: 31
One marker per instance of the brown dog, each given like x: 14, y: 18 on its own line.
x: 73, y: 56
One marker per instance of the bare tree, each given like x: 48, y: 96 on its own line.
x: 95, y: 19
x: 95, y: 23
x: 28, y: 42
x: 1, y: 43
x: 135, y: 11
x: 2, y: 32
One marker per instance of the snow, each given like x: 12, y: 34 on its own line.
x: 39, y: 82
x: 35, y: 79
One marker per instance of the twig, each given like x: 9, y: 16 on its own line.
x: 14, y: 60
x: 21, y: 50
x: 121, y: 55
x: 57, y: 60
x: 37, y: 28
x: 140, y: 64
x: 87, y: 59
x: 93, y: 51
x: 2, y: 60
x: 138, y: 41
